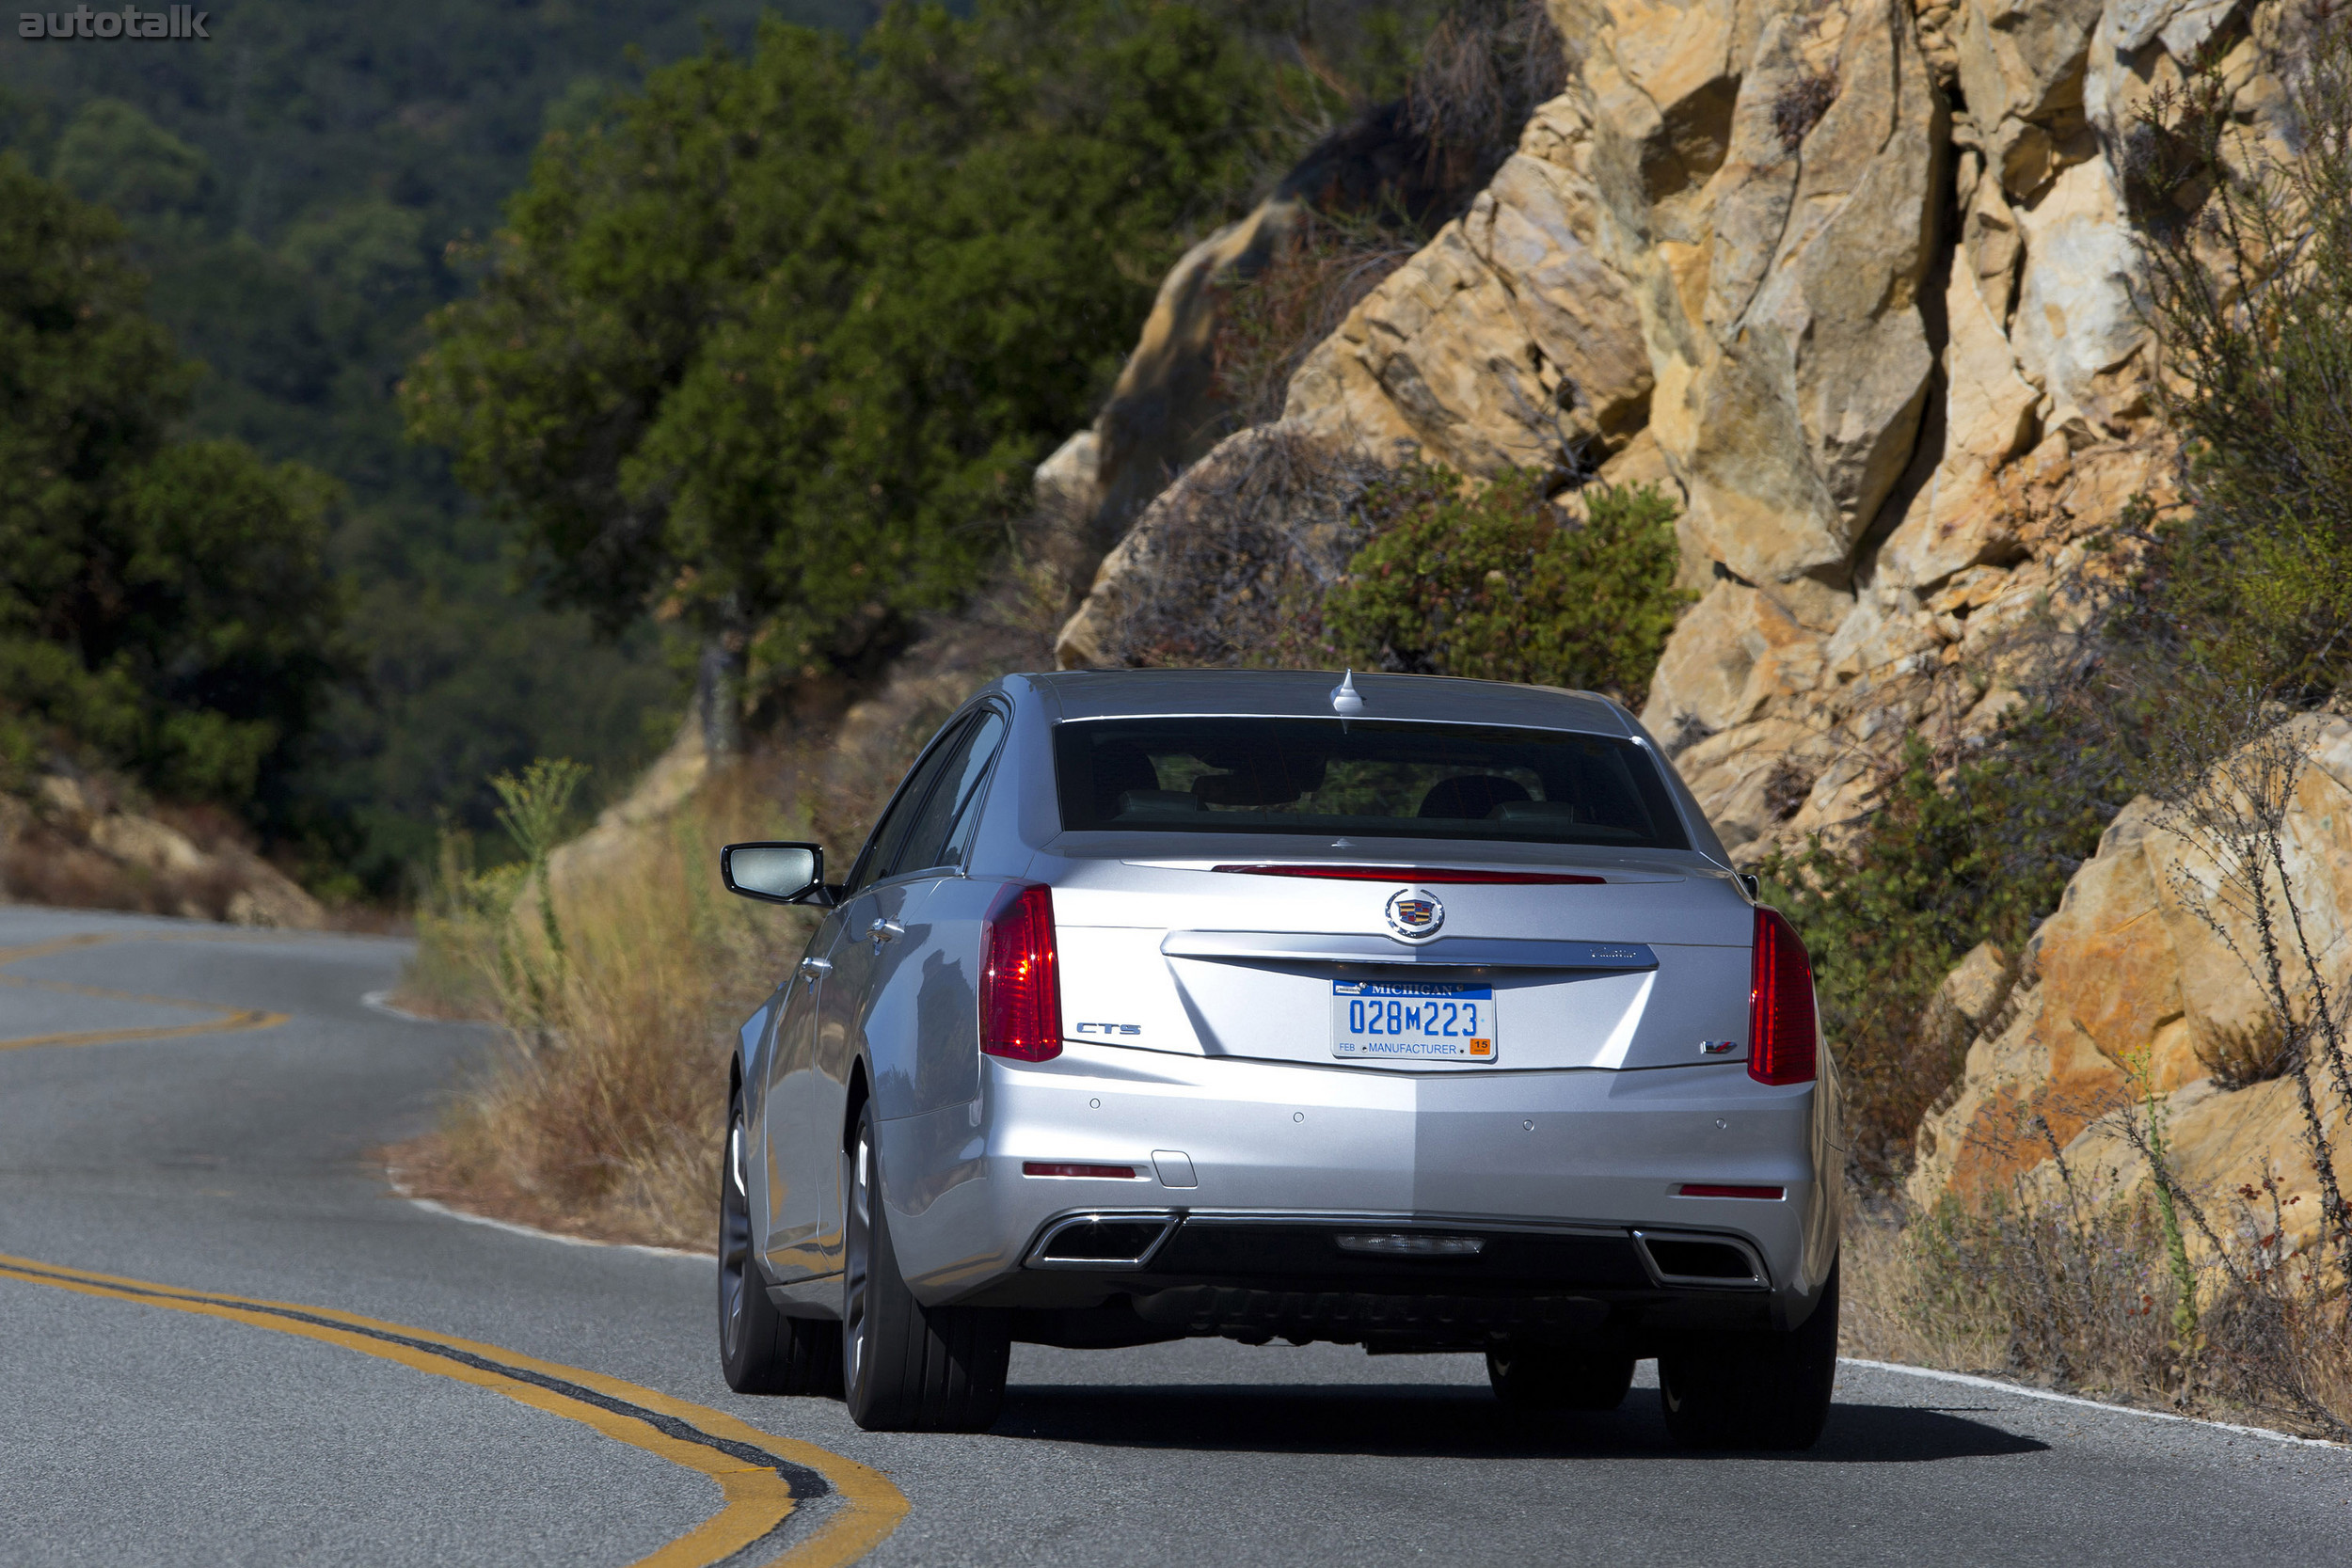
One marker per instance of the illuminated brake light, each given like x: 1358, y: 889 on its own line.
x: 1048, y: 1167
x: 1428, y: 873
x: 1717, y: 1189
x: 1784, y: 1035
x: 1021, y: 985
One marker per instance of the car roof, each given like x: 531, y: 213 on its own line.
x: 1307, y: 694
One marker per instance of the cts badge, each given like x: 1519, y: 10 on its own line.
x: 1414, y: 913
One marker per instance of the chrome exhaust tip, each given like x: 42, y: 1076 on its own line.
x: 1101, y: 1240
x: 1720, y: 1263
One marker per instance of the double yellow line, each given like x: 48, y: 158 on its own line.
x: 762, y: 1478
x: 229, y: 1018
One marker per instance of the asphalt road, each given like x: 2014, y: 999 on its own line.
x: 223, y: 1340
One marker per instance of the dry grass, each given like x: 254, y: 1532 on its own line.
x: 2058, y: 1294
x: 601, y: 1111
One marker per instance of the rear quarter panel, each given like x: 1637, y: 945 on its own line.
x: 923, y: 1034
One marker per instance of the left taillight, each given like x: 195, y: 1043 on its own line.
x: 1021, y: 985
x: 1783, y: 1036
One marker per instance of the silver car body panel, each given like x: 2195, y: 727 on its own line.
x: 1196, y: 1022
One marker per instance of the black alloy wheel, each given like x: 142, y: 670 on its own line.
x: 906, y: 1367
x: 760, y: 1350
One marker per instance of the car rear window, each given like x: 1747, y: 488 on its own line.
x: 1378, y: 778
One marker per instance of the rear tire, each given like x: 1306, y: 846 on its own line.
x: 760, y: 1350
x: 906, y: 1367
x: 1768, y: 1391
x: 1552, y: 1377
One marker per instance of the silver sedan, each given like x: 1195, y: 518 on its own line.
x: 1413, y: 1013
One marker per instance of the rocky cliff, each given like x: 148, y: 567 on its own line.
x: 1856, y: 281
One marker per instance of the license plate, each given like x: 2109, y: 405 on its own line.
x: 1413, y: 1019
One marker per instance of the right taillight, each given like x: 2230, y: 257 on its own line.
x: 1021, y: 983
x: 1783, y: 1035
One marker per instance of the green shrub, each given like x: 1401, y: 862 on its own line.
x: 1959, y: 850
x: 2249, y: 289
x: 771, y: 347
x: 1494, y: 582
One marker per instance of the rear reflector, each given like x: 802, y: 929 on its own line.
x: 1048, y: 1167
x: 1717, y: 1189
x: 1431, y: 874
x: 1783, y: 1033
x: 1021, y: 985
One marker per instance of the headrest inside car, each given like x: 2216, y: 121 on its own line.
x: 1470, y: 797
x: 1264, y: 779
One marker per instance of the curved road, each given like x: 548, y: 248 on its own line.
x: 223, y: 1340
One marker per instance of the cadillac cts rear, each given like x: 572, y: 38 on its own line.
x: 1410, y: 1013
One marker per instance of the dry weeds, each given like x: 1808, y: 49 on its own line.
x: 2056, y: 1292
x: 1239, y: 555
x: 598, y: 1113
x: 601, y: 1111
x: 1269, y: 322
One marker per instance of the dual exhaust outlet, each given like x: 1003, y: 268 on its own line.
x: 1114, y: 1241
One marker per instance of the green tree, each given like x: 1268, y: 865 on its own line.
x: 1496, y: 584
x: 772, y: 345
x: 164, y: 607
x: 114, y: 155
x: 296, y: 255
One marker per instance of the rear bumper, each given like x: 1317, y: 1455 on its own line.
x: 1555, y: 1172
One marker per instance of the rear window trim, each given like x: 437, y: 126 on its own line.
x: 1371, y: 718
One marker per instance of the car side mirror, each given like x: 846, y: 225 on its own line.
x: 776, y: 873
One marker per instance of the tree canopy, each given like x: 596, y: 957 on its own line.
x: 165, y: 608
x: 774, y: 343
x: 291, y: 199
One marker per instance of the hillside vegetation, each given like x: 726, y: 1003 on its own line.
x: 166, y: 608
x: 290, y: 190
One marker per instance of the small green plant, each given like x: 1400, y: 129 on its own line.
x: 2167, y: 1211
x: 1496, y: 583
x: 533, y: 811
x: 2249, y: 247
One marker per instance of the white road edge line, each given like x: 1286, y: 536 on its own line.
x: 381, y: 1002
x: 1971, y: 1381
x: 512, y: 1228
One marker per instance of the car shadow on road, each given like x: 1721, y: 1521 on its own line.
x: 1447, y: 1420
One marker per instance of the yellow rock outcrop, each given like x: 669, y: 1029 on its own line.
x: 1855, y: 281
x: 2118, y: 991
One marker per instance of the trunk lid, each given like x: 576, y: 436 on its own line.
x: 1637, y: 968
